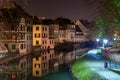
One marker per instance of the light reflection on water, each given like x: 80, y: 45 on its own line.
x: 37, y: 64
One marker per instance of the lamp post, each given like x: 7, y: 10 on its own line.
x: 104, y: 42
x: 115, y: 39
x: 97, y: 41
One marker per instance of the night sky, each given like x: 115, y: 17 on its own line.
x: 72, y: 9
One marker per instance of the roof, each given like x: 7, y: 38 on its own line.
x: 78, y: 29
x: 12, y: 14
x: 84, y: 22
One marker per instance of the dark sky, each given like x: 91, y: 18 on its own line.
x: 72, y: 9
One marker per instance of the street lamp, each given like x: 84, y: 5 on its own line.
x: 104, y: 42
x: 115, y: 39
x: 97, y: 41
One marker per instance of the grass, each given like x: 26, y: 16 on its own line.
x: 82, y: 71
x: 99, y: 51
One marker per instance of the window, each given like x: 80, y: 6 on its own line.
x: 37, y: 42
x: 22, y: 65
x: 13, y: 46
x: 42, y: 28
x: 37, y: 28
x: 22, y: 46
x: 51, y: 42
x: 37, y: 72
x: 44, y: 35
x: 37, y: 58
x: 22, y: 36
x: 39, y: 65
x: 44, y: 42
x: 45, y: 28
x: 43, y: 58
x: 21, y: 28
x: 35, y: 65
x: 37, y: 35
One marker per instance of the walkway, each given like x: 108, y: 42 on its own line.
x: 96, y: 63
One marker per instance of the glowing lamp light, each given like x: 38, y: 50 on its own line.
x: 105, y: 41
x: 97, y: 39
x: 115, y: 39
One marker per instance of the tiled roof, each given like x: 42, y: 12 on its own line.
x: 12, y: 14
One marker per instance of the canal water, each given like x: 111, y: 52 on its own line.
x: 47, y: 65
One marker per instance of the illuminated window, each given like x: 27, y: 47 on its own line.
x: 37, y: 65
x: 37, y: 35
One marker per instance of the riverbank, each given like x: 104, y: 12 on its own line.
x: 82, y: 71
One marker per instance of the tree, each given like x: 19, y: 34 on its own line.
x: 109, y: 20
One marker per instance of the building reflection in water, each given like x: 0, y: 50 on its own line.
x: 18, y: 69
x: 49, y: 62
x: 37, y: 64
x: 44, y: 62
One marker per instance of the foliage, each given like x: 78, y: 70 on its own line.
x: 99, y: 26
x: 109, y: 20
x: 117, y: 23
x: 116, y: 3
